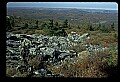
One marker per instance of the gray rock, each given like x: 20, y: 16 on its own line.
x: 32, y: 51
x: 62, y: 56
x: 51, y: 49
x: 12, y: 43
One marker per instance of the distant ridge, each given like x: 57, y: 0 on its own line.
x: 88, y: 10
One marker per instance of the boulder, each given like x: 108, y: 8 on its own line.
x: 51, y: 49
x: 62, y: 56
x: 47, y: 51
x: 32, y: 51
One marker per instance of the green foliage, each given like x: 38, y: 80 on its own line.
x: 60, y: 32
x: 25, y: 26
x: 75, y: 17
x: 113, y: 58
x: 36, y: 24
x: 50, y: 24
x: 78, y: 27
x: 56, y: 24
x: 53, y: 29
x: 65, y: 23
x: 104, y: 29
x: 112, y: 26
x: 90, y: 28
x: 116, y: 35
x: 43, y: 25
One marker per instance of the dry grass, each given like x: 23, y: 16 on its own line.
x: 10, y: 71
x: 90, y: 66
x: 39, y: 32
x: 34, y: 62
x: 105, y: 39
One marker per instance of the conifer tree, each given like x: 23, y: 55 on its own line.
x: 65, y: 23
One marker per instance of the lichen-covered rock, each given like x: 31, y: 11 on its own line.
x: 23, y: 49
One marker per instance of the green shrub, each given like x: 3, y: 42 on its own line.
x: 112, y: 59
x: 116, y: 35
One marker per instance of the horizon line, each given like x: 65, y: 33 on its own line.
x: 63, y: 7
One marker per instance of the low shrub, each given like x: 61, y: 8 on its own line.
x: 91, y: 65
x: 34, y: 62
x: 10, y: 71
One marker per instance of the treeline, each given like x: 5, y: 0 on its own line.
x: 75, y: 16
x: 52, y: 27
x: 98, y: 27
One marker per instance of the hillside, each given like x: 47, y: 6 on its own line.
x: 61, y: 42
x: 74, y: 16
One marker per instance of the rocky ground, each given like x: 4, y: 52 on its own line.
x: 31, y: 55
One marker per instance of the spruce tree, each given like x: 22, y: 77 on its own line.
x: 65, y: 23
x: 36, y: 24
x: 50, y: 24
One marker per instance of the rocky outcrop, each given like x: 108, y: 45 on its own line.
x: 20, y: 48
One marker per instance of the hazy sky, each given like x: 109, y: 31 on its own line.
x: 81, y: 5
